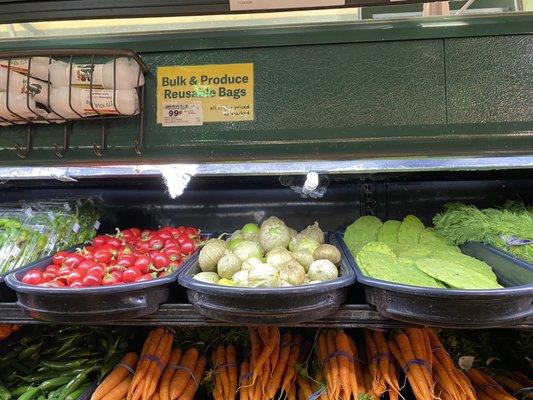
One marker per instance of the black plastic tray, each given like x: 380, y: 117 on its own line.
x: 89, y: 305
x: 491, y: 254
x: 265, y: 306
x: 455, y: 308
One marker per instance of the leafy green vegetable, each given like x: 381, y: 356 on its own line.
x: 410, y: 229
x: 455, y: 275
x: 379, y: 261
x: 460, y: 223
x: 362, y: 231
x: 406, y: 252
x: 388, y: 232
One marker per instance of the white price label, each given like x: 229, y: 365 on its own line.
x: 28, y: 212
x: 182, y: 114
x: 16, y: 251
x: 97, y: 225
x: 75, y: 228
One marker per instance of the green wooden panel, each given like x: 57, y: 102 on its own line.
x: 304, y: 93
x: 327, y: 92
x: 494, y: 86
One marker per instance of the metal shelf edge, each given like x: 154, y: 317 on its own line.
x: 348, y: 316
x: 71, y: 173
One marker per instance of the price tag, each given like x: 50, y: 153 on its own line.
x: 16, y: 251
x: 97, y: 225
x: 75, y: 228
x: 182, y: 114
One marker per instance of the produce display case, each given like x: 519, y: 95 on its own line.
x: 385, y: 118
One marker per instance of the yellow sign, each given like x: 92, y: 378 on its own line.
x: 224, y: 91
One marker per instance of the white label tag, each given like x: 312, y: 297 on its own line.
x: 16, y: 251
x: 97, y: 225
x: 28, y: 212
x: 466, y: 362
x: 75, y: 228
x: 243, y: 5
x: 102, y: 101
x: 82, y: 73
x: 182, y: 114
x: 4, y: 252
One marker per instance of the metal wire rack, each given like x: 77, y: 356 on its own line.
x: 31, y: 116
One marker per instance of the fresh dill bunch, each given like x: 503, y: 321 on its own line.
x: 460, y: 223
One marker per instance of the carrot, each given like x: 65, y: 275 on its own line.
x: 290, y: 371
x: 481, y: 395
x: 464, y: 383
x: 415, y: 383
x: 484, y: 383
x: 221, y: 370
x: 358, y: 370
x: 149, y: 348
x: 275, y: 353
x: 183, y: 374
x: 119, y: 373
x: 256, y: 346
x: 394, y: 388
x: 231, y: 362
x: 243, y: 388
x: 277, y: 373
x: 291, y: 393
x: 156, y: 368
x: 305, y: 387
x: 367, y: 376
x: 333, y: 362
x: 444, y: 380
x: 257, y: 388
x: 343, y: 345
x: 166, y: 377
x: 427, y: 345
x: 265, y: 354
x: 378, y: 382
x: 218, y: 392
x: 120, y: 390
x: 389, y: 374
x: 415, y: 371
x: 192, y: 386
x: 418, y: 347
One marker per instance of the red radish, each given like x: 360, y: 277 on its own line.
x: 33, y: 277
x: 131, y: 275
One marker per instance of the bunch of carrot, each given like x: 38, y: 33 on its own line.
x: 272, y: 364
x: 226, y: 372
x: 486, y: 387
x: 412, y: 349
x: 451, y: 382
x: 381, y: 365
x: 115, y: 386
x: 160, y: 373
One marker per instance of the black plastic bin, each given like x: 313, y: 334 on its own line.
x: 89, y: 305
x: 456, y: 308
x: 6, y: 294
x: 265, y: 306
